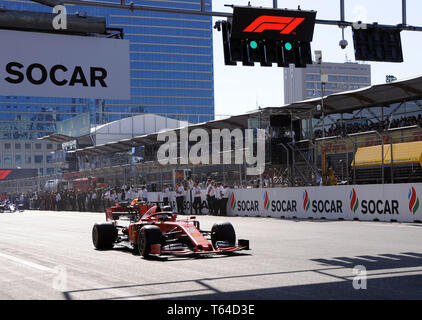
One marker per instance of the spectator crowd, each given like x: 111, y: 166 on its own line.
x: 342, y: 129
x: 99, y: 199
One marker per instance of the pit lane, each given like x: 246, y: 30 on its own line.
x: 49, y: 255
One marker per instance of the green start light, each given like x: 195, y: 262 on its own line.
x: 288, y: 46
x: 253, y: 44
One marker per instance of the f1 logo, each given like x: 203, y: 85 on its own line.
x: 4, y: 174
x: 286, y: 25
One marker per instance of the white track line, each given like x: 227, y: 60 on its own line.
x: 26, y: 263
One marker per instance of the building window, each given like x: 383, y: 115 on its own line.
x: 28, y: 159
x: 27, y: 146
x: 50, y: 170
x: 7, y: 160
x: 7, y: 146
x: 38, y: 159
x: 17, y: 146
x: 18, y: 160
x: 310, y: 93
x: 311, y: 77
x: 38, y: 146
x: 49, y: 159
x: 49, y: 146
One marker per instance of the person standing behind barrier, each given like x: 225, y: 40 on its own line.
x: 81, y: 201
x: 113, y: 197
x: 122, y: 195
x: 180, y: 194
x: 88, y: 200
x: 58, y: 201
x: 72, y: 200
x: 144, y: 194
x: 218, y: 199
x: 94, y: 201
x: 226, y: 194
x: 166, y: 191
x: 210, y: 196
x: 107, y: 198
x: 197, y: 202
x: 128, y: 195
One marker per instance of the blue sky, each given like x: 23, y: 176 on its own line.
x: 240, y: 89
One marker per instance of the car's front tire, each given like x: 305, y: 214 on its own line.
x: 104, y: 235
x: 223, y: 232
x: 148, y: 235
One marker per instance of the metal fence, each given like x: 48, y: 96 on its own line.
x: 314, y: 159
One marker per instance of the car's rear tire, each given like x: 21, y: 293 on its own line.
x: 148, y: 235
x: 104, y: 235
x: 223, y: 232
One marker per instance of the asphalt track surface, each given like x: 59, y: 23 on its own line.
x: 49, y: 255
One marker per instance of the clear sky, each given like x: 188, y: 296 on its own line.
x: 240, y: 89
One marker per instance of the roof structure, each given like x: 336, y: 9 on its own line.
x: 376, y: 95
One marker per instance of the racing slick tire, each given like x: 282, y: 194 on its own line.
x: 148, y: 235
x: 223, y: 232
x: 104, y: 235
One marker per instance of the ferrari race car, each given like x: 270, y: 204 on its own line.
x: 156, y: 232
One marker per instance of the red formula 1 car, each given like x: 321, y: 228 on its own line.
x: 155, y: 231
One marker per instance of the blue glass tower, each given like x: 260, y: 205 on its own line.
x: 171, y: 73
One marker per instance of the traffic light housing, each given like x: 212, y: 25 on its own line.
x: 268, y: 36
x: 378, y: 44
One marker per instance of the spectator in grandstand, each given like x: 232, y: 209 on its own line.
x: 349, y: 128
x: 332, y: 179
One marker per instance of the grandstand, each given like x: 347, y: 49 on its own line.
x: 370, y: 133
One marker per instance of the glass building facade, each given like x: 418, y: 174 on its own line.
x: 171, y: 61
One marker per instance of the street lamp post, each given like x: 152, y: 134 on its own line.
x: 323, y: 81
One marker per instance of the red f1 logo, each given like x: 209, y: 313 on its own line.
x: 286, y: 25
x: 4, y: 174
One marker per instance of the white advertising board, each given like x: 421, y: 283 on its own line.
x: 52, y: 65
x: 389, y: 202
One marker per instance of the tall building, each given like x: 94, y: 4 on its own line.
x: 171, y: 61
x: 305, y: 83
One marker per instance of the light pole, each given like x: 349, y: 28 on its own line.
x: 323, y: 81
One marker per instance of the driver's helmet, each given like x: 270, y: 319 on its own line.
x: 136, y: 201
x: 167, y: 209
